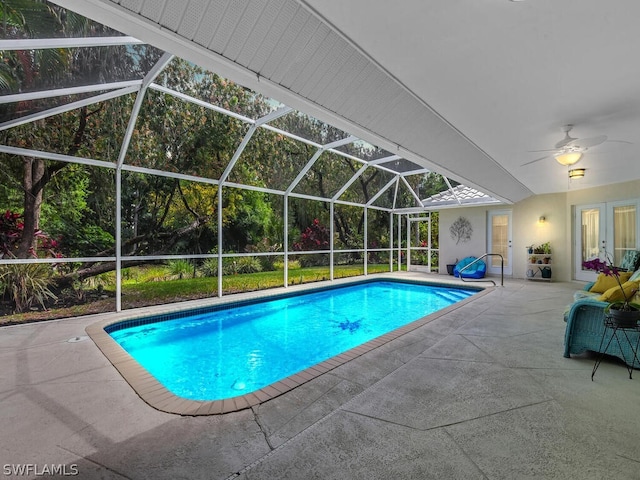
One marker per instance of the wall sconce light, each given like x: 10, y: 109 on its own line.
x: 568, y: 158
x: 542, y: 219
x: 577, y: 173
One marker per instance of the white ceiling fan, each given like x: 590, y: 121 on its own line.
x: 569, y: 150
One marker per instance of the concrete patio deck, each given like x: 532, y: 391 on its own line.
x: 480, y: 392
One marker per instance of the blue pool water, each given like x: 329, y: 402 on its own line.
x: 234, y: 351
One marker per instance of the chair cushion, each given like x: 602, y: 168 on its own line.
x: 615, y: 294
x: 585, y: 294
x: 605, y: 282
x: 635, y: 276
x: 630, y: 259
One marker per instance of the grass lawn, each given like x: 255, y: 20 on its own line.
x: 187, y: 289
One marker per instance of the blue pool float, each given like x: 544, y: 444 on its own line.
x: 477, y: 270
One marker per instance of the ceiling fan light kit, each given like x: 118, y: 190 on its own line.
x: 569, y: 150
x: 576, y: 173
x: 568, y: 158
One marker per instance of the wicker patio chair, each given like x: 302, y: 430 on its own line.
x: 585, y: 327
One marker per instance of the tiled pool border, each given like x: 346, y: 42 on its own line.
x: 159, y: 397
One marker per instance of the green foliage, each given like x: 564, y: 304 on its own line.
x: 145, y: 273
x: 87, y: 240
x: 293, y: 265
x: 77, y: 208
x: 314, y: 259
x: 179, y: 269
x: 26, y: 285
x: 172, y: 290
x: 241, y: 265
x: 163, y: 215
x: 100, y: 282
x: 249, y: 219
x: 209, y: 267
x: 231, y: 266
x: 266, y: 246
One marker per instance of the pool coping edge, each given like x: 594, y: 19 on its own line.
x: 156, y: 395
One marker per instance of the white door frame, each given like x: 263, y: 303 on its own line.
x: 410, y: 222
x: 508, y: 261
x: 610, y: 236
x: 579, y: 273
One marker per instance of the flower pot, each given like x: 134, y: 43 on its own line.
x: 624, y: 318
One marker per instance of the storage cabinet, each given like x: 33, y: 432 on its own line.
x: 539, y: 266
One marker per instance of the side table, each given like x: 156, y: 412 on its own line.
x: 620, y: 334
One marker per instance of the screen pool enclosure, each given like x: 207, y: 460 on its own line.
x: 309, y: 160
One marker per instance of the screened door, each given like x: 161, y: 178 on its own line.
x: 423, y: 243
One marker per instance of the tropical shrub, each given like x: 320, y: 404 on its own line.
x: 181, y: 268
x: 11, y: 229
x: 315, y: 237
x: 265, y: 245
x: 231, y: 266
x: 242, y: 265
x: 26, y: 284
x: 209, y: 267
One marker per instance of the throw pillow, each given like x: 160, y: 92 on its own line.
x: 605, y: 282
x: 615, y: 294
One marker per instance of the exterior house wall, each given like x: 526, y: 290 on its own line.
x: 452, y: 250
x: 557, y: 208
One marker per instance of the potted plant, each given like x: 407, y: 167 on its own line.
x: 623, y: 313
x: 543, y: 248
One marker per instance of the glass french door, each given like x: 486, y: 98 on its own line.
x: 606, y: 231
x: 499, y: 241
x: 624, y: 230
x: 590, y: 238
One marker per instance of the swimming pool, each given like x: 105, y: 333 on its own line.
x: 238, y: 353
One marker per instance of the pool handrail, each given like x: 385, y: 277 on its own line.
x: 482, y: 279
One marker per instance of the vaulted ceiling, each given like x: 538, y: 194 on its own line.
x: 467, y: 88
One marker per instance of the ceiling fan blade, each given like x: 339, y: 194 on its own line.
x: 592, y: 142
x: 536, y: 160
x: 620, y: 141
x: 540, y: 151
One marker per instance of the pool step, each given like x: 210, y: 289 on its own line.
x: 453, y: 296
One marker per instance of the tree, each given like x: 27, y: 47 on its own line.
x: 40, y: 69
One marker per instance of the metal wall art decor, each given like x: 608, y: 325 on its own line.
x: 461, y: 230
